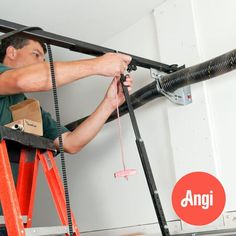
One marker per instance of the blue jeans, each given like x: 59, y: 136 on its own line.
x: 3, y: 231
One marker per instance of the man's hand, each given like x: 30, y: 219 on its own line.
x: 115, y: 91
x: 84, y: 133
x: 112, y: 64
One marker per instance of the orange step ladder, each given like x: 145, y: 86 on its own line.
x: 19, y: 201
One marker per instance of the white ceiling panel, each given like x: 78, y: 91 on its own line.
x: 89, y: 20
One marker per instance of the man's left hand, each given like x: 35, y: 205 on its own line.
x: 115, y: 91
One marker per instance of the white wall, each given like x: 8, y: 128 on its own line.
x: 205, y: 31
x: 202, y: 134
x: 178, y: 139
x: 216, y: 36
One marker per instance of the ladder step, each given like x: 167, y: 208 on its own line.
x: 43, y: 231
x: 51, y: 230
x: 2, y: 221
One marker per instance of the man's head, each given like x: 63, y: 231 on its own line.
x: 17, y: 51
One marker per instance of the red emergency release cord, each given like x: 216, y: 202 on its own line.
x: 125, y: 172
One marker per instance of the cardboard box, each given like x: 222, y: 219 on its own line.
x: 25, y: 125
x: 27, y: 116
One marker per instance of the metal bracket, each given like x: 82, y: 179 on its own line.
x: 181, y: 96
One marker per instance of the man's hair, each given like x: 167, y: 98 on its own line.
x: 17, y: 42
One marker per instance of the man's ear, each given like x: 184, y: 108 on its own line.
x: 11, y: 53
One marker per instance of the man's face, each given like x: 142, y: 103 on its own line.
x: 30, y: 54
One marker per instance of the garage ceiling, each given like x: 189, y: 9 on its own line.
x: 89, y: 20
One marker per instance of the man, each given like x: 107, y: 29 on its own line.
x: 24, y: 69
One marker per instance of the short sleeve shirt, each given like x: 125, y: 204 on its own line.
x: 49, y: 124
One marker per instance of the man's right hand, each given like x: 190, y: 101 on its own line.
x: 112, y: 64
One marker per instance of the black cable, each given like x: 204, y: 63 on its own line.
x: 200, y: 72
x: 61, y: 149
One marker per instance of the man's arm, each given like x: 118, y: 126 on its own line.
x: 74, y: 141
x: 36, y: 77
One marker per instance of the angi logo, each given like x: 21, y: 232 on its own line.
x: 201, y: 200
x: 198, y: 198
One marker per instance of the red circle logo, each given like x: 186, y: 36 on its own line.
x: 198, y: 198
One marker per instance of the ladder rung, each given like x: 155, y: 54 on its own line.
x: 52, y: 230
x: 2, y: 221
